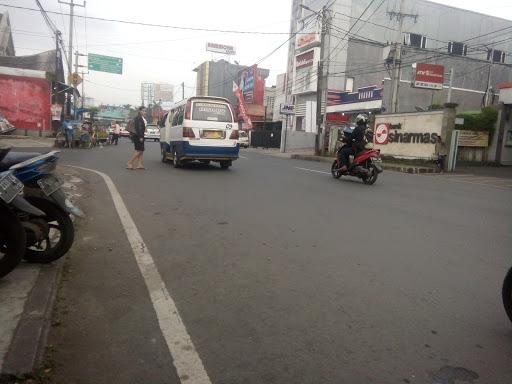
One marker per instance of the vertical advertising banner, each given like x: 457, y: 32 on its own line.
x: 247, y: 84
x: 243, y: 107
x: 305, y: 71
x: 252, y: 85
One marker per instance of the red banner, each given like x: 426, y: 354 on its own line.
x: 242, y: 106
x: 337, y: 117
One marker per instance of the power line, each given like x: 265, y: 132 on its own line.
x: 368, y: 22
x: 353, y: 25
x: 151, y: 24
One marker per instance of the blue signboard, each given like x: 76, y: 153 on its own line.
x: 370, y: 93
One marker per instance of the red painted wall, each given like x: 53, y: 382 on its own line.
x: 25, y: 102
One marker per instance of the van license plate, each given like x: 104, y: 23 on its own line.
x: 212, y: 134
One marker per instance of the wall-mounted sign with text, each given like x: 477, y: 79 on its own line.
x: 287, y: 109
x: 429, y: 76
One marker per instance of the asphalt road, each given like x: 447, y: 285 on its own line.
x: 282, y: 274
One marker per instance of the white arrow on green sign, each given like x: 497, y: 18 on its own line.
x: 105, y: 63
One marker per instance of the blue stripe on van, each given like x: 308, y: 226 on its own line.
x: 185, y: 149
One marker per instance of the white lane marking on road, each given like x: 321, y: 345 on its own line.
x: 312, y: 170
x: 186, y: 360
x: 484, y: 183
x: 243, y: 157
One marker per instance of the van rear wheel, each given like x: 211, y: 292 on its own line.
x: 176, y: 161
x: 225, y: 164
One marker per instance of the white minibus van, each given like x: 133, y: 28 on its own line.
x: 200, y: 128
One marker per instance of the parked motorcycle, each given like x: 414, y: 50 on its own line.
x: 13, y: 211
x: 507, y: 294
x: 50, y: 237
x: 365, y: 164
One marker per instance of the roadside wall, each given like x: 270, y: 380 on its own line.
x: 297, y: 140
x: 409, y: 135
x: 25, y: 102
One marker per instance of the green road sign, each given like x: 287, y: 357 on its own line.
x: 105, y: 63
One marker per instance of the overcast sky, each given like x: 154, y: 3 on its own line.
x: 169, y: 55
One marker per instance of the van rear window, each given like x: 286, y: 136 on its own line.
x: 212, y: 112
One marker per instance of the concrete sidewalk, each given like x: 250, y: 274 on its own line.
x: 26, y: 141
x: 27, y: 301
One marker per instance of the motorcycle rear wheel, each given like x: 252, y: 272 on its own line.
x: 58, y: 221
x: 506, y: 293
x: 13, y: 241
x: 335, y: 170
x: 374, y: 174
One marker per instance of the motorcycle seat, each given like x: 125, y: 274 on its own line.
x: 13, y: 158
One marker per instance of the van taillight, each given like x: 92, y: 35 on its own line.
x: 234, y: 135
x: 187, y: 110
x: 188, y: 132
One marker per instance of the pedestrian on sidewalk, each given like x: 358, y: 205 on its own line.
x: 138, y: 141
x: 441, y: 152
x: 116, y: 132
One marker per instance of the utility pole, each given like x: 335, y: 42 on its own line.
x: 449, y: 98
x: 72, y: 5
x: 397, y: 57
x: 487, y: 100
x: 75, y: 83
x: 182, y: 91
x: 321, y: 85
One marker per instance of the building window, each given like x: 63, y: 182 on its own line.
x: 415, y: 40
x: 495, y: 55
x: 349, y: 84
x: 456, y: 48
x: 299, y: 123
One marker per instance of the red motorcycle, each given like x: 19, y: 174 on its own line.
x: 364, y: 166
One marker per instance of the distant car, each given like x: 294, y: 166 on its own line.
x: 152, y: 132
x: 243, y: 139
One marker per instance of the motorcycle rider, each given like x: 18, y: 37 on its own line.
x: 355, y: 142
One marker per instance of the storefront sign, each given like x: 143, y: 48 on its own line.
x: 429, y: 76
x: 305, y: 60
x: 308, y: 35
x: 287, y: 109
x: 473, y: 139
x: 221, y: 48
x: 337, y: 117
x: 364, y: 94
x: 413, y: 138
x: 381, y: 135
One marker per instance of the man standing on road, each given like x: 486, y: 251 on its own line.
x: 138, y: 140
x: 68, y: 130
x: 116, y: 132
